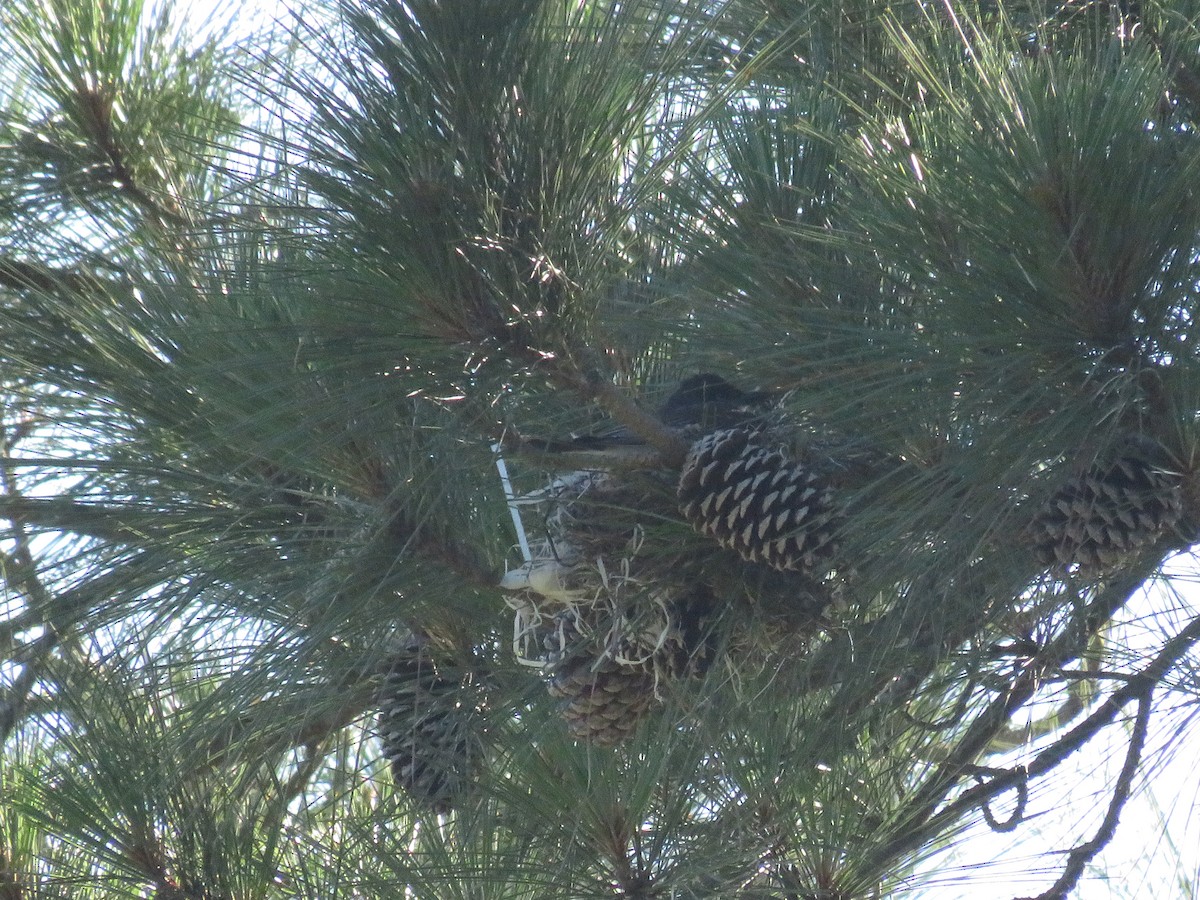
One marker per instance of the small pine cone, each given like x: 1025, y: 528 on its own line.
x: 602, y: 699
x: 602, y: 704
x: 1097, y: 522
x: 428, y: 723
x: 755, y: 501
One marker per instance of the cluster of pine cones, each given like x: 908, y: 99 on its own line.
x: 617, y: 630
x: 609, y: 654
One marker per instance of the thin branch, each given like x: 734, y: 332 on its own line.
x: 18, y: 275
x: 926, y: 820
x: 953, y: 717
x: 1138, y: 687
x: 560, y: 456
x: 99, y: 109
x: 988, y: 725
x: 1081, y: 855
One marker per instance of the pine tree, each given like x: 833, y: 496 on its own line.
x: 348, y: 335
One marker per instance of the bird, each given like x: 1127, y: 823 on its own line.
x: 709, y: 401
x: 699, y: 404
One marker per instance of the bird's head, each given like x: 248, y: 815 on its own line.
x: 707, y: 399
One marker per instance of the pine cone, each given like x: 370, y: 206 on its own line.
x: 755, y: 501
x: 429, y: 726
x: 1097, y: 522
x: 602, y: 703
x: 602, y: 698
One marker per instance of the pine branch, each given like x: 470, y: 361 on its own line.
x: 624, y: 411
x: 246, y: 738
x: 466, y: 206
x: 924, y: 820
x: 442, y: 550
x: 19, y: 275
x: 147, y: 855
x: 59, y: 614
x: 95, y: 520
x: 314, y: 756
x: 21, y: 564
x: 10, y: 884
x: 1138, y: 687
x: 1081, y: 855
x: 32, y: 661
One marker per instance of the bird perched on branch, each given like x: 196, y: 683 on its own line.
x: 701, y: 403
x: 709, y: 401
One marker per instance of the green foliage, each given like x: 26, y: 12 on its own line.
x: 110, y: 111
x: 269, y: 305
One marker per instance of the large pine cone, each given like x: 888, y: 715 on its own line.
x: 430, y: 726
x: 755, y: 501
x: 1099, y: 521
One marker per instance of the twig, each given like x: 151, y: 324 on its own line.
x: 1018, y: 814
x: 1138, y: 685
x: 1081, y: 855
x: 925, y: 818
